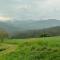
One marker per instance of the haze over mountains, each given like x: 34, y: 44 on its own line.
x: 16, y: 25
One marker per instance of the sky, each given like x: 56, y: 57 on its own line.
x: 29, y: 9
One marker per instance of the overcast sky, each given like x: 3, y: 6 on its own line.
x: 29, y: 9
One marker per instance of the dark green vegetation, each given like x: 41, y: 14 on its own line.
x: 48, y: 32
x: 47, y: 48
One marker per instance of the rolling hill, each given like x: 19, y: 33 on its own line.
x: 17, y: 25
x: 8, y: 27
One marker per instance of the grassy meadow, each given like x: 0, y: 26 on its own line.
x: 47, y: 48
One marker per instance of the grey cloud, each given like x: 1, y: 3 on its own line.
x: 30, y: 9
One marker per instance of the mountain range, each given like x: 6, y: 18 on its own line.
x: 17, y: 25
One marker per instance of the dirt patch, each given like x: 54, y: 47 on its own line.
x: 7, y: 48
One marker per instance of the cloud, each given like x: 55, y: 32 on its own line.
x: 30, y: 9
x: 3, y: 18
x: 47, y: 9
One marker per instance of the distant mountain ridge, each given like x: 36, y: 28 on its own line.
x: 28, y: 25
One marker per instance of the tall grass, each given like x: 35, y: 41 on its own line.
x: 34, y: 49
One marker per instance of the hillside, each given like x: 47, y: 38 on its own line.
x: 46, y: 32
x: 8, y: 27
x: 39, y: 24
x: 31, y: 49
x: 17, y: 25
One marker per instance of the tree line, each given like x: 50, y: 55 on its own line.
x: 30, y: 34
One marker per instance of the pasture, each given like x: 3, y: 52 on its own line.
x: 47, y: 48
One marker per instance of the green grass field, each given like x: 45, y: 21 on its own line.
x: 31, y: 49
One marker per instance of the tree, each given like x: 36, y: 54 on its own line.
x: 3, y: 35
x: 44, y: 35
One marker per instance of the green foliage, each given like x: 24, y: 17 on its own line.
x: 3, y: 35
x: 2, y: 49
x: 47, y: 48
x: 48, y: 32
